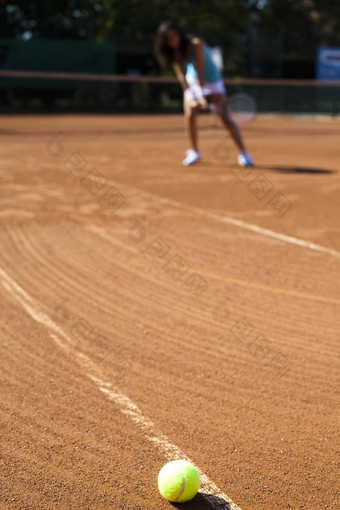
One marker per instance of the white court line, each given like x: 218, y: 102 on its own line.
x: 228, y: 219
x: 187, y: 179
x: 126, y: 406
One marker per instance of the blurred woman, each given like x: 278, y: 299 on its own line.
x: 199, y: 76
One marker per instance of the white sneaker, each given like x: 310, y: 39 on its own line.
x: 245, y: 159
x: 192, y: 157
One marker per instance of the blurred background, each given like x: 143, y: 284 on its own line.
x: 285, y: 53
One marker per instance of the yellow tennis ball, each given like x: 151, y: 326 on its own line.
x: 178, y: 481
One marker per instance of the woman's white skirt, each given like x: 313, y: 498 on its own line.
x: 208, y: 88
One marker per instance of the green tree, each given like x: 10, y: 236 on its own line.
x: 241, y: 27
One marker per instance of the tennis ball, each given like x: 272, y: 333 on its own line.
x: 178, y: 481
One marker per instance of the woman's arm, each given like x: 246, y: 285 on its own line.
x: 195, y: 99
x: 198, y: 46
x: 180, y: 75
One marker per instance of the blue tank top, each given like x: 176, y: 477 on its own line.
x: 210, y: 70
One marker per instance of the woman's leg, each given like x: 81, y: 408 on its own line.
x: 221, y: 105
x: 190, y: 114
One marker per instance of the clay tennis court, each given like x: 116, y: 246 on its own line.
x: 152, y: 312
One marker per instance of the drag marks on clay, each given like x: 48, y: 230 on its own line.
x: 32, y: 240
x: 230, y: 220
x: 118, y: 186
x: 80, y: 285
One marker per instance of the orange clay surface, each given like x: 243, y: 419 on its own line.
x: 144, y: 316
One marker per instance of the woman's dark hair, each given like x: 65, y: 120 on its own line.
x: 165, y: 55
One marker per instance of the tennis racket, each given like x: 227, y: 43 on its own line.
x: 243, y: 107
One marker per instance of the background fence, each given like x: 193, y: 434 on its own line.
x: 81, y: 92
